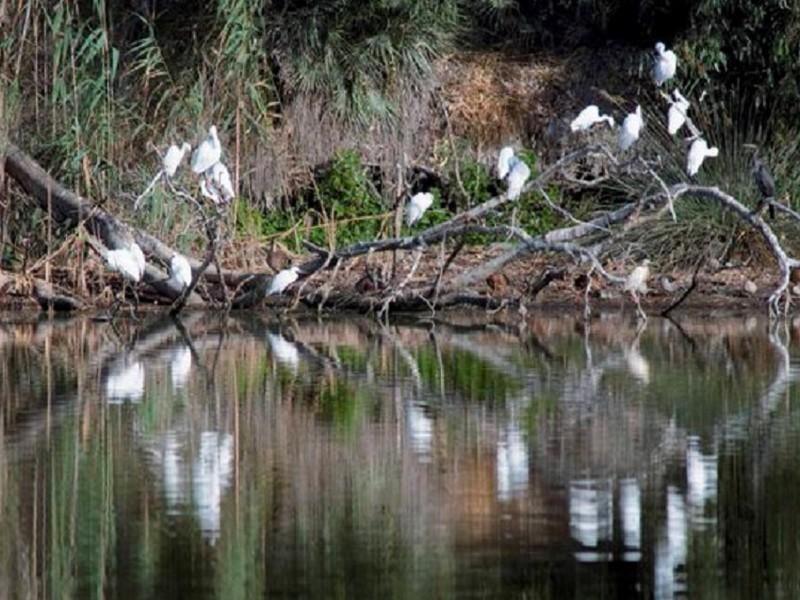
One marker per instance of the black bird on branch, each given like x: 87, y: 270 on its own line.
x: 765, y: 184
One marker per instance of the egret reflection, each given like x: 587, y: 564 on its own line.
x: 512, y: 464
x: 591, y: 517
x: 630, y: 509
x: 284, y: 351
x: 420, y: 430
x: 180, y: 366
x: 125, y: 382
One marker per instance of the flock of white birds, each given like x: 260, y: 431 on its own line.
x: 215, y: 179
x: 664, y: 69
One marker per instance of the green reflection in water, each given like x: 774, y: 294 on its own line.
x: 356, y: 461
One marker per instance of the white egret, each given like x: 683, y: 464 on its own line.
x: 181, y: 270
x: 698, y: 152
x: 124, y: 262
x: 283, y: 280
x: 636, y: 283
x: 588, y: 117
x: 141, y: 263
x: 631, y: 128
x: 207, y: 153
x: 173, y: 158
x: 676, y: 115
x: 504, y: 162
x: 665, y: 65
x: 416, y: 207
x: 519, y: 174
x: 221, y: 179
x: 208, y: 190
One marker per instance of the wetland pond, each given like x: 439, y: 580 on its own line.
x: 249, y: 458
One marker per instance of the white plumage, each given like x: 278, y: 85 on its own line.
x: 666, y: 64
x: 208, y: 190
x: 588, y: 117
x: 173, y: 158
x: 181, y: 270
x: 517, y: 177
x: 141, y: 263
x: 221, y: 178
x: 636, y: 283
x: 504, y: 162
x: 698, y: 152
x: 417, y: 206
x: 631, y: 128
x: 676, y: 115
x: 283, y: 280
x: 207, y: 153
x: 124, y: 262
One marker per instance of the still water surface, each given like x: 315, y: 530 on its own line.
x: 307, y: 458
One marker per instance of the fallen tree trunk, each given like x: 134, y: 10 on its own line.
x: 70, y: 208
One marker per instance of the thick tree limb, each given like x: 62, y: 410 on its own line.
x: 68, y: 207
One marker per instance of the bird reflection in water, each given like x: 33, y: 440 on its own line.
x: 125, y: 382
x: 200, y: 482
x: 180, y: 366
x: 512, y: 464
x: 591, y: 517
x: 284, y: 351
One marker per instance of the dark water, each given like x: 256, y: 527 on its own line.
x: 310, y: 458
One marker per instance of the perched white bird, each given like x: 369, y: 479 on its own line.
x: 124, y: 262
x: 631, y: 128
x: 698, y: 152
x: 676, y: 115
x: 181, y: 270
x: 588, y: 117
x: 504, y: 162
x: 665, y: 65
x: 283, y: 280
x: 221, y: 179
x: 207, y: 153
x: 141, y: 263
x: 416, y: 207
x: 208, y: 190
x: 636, y: 283
x: 517, y: 177
x: 173, y: 158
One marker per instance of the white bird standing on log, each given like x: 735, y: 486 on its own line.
x: 665, y: 65
x: 588, y: 117
x: 631, y: 128
x: 503, y: 162
x: 283, y: 280
x: 676, y: 115
x: 221, y: 178
x: 698, y: 152
x: 124, y: 262
x: 207, y: 153
x: 181, y: 270
x: 636, y: 283
x: 519, y: 174
x: 173, y: 158
x: 138, y: 255
x: 416, y: 207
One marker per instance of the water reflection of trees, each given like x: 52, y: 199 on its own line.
x: 367, y: 459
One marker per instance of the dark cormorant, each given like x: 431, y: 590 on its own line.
x: 765, y: 184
